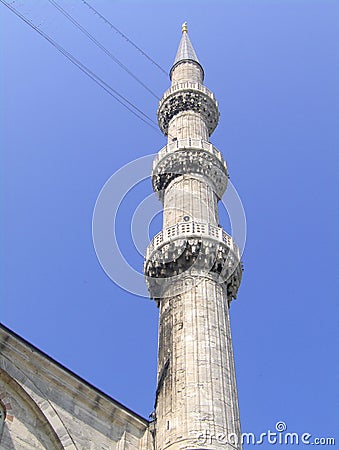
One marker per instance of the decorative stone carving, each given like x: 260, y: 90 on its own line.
x: 195, y: 249
x: 196, y: 98
x: 192, y: 161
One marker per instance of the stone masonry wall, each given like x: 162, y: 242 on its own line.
x: 47, y: 407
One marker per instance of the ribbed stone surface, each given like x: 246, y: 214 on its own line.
x: 193, y: 271
x: 198, y: 388
x: 187, y: 124
x: 187, y: 198
x: 189, y: 71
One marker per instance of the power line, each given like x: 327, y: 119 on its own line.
x: 102, y: 47
x: 115, y: 94
x: 124, y: 36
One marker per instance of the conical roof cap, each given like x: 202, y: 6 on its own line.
x: 185, y: 51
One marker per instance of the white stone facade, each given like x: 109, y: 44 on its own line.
x: 49, y: 408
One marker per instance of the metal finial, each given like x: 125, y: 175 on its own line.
x: 184, y: 27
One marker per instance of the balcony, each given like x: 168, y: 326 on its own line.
x: 189, y: 143
x: 188, y: 86
x: 189, y: 230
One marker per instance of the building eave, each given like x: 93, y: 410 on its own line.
x: 10, y: 335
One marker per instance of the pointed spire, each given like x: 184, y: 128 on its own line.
x: 185, y: 51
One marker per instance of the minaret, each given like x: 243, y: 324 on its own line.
x: 193, y: 271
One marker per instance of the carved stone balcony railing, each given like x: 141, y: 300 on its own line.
x: 188, y: 85
x: 189, y: 230
x: 192, y: 249
x: 189, y: 143
x: 188, y: 96
x: 189, y: 156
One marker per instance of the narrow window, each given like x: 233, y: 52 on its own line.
x: 2, y: 418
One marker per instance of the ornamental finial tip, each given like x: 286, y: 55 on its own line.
x: 184, y: 27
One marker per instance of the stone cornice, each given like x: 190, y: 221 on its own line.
x: 32, y: 360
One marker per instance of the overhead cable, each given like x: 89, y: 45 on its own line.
x: 124, y: 36
x: 115, y: 94
x: 102, y: 47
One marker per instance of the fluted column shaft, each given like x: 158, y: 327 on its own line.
x: 190, y: 272
x: 198, y: 397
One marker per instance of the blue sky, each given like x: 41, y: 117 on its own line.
x: 273, y: 68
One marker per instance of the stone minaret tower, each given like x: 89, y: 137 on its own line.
x: 193, y: 271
